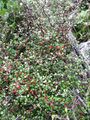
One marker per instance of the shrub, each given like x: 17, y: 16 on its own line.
x: 39, y: 79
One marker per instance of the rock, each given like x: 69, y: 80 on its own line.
x: 85, y: 51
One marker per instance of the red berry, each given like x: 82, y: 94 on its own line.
x: 14, y: 92
x: 18, y: 87
x: 63, y: 47
x: 50, y: 47
x: 57, y: 47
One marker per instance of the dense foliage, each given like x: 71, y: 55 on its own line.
x: 39, y: 79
